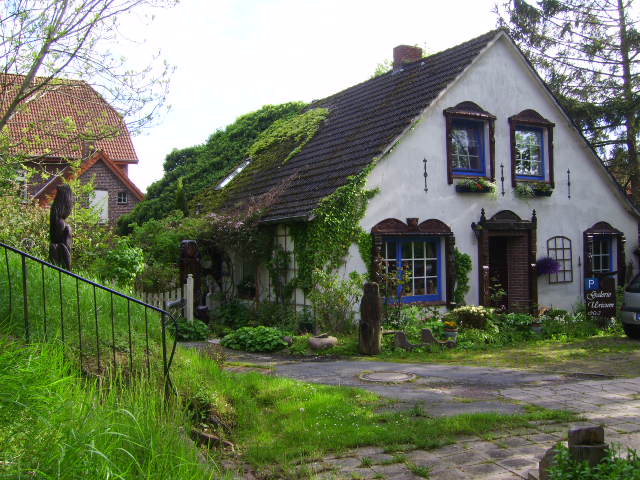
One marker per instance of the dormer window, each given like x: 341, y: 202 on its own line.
x: 470, y: 143
x: 531, y: 148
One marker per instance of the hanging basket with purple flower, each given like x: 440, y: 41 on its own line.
x: 547, y: 265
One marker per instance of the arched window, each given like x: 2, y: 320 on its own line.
x: 559, y: 248
x: 422, y: 254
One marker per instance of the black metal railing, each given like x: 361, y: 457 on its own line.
x: 109, y: 330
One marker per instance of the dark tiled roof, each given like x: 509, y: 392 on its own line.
x: 363, y: 121
x: 43, y: 116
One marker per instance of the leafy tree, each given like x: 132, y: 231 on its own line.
x: 45, y: 42
x: 588, y: 53
x: 201, y: 167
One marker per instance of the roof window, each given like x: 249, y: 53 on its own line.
x: 233, y: 174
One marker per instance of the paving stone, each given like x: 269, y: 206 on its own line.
x: 466, y: 458
x: 449, y: 450
x: 452, y: 474
x: 342, y: 463
x: 536, y: 450
x: 518, y: 463
x: 367, y: 473
x: 541, y: 438
x: 366, y: 451
x: 422, y: 457
x: 499, y: 453
x: 390, y: 471
x: 482, y: 470
x: 626, y: 427
x: 515, y: 441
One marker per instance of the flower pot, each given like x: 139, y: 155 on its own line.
x: 542, y: 193
x: 467, y: 189
x: 451, y: 334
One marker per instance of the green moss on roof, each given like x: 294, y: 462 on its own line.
x: 274, y: 147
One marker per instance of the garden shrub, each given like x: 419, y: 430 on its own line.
x: 334, y: 300
x: 274, y: 314
x: 121, y: 264
x: 513, y: 321
x: 233, y: 314
x: 187, y: 331
x: 471, y: 316
x: 255, y: 339
x: 612, y: 467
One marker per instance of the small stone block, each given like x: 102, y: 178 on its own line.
x: 322, y: 343
x: 592, y: 454
x: 586, y: 436
x: 546, y: 462
x: 532, y: 475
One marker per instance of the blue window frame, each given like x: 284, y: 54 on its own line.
x: 601, y: 257
x: 467, y: 147
x: 421, y: 259
x: 529, y: 153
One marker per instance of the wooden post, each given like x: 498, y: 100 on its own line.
x: 189, y: 298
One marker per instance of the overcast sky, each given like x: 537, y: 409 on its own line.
x: 234, y: 56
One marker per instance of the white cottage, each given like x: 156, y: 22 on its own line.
x: 438, y: 129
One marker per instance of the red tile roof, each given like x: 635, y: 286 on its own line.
x: 46, y: 193
x: 50, y: 122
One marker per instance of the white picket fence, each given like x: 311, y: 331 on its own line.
x: 160, y: 300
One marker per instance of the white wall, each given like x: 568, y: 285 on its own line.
x: 499, y: 82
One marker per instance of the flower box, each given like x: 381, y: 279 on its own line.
x: 473, y: 189
x: 542, y: 193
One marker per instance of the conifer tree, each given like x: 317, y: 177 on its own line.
x: 588, y: 52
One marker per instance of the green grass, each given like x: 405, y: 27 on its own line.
x: 56, y: 424
x: 59, y: 308
x: 278, y: 420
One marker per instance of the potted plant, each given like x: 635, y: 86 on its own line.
x: 547, y: 265
x: 536, y: 325
x: 451, y: 330
x: 475, y: 185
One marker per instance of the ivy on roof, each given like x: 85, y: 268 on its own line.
x: 284, y: 139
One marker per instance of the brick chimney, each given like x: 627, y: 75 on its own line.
x: 405, y: 54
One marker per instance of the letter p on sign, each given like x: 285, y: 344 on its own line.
x: 591, y: 283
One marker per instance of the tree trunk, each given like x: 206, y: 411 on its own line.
x: 629, y: 114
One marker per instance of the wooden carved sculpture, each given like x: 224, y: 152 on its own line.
x: 60, y: 238
x: 370, y: 320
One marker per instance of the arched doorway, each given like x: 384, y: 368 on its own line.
x: 506, y: 259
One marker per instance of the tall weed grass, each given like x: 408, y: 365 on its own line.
x: 56, y: 424
x: 61, y: 308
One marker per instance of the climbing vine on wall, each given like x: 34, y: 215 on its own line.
x: 324, y: 242
x: 463, y: 267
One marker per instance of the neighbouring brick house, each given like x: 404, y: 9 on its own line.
x: 431, y: 131
x: 67, y: 122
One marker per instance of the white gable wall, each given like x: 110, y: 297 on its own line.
x: 501, y: 83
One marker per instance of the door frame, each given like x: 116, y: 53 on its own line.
x: 506, y: 223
